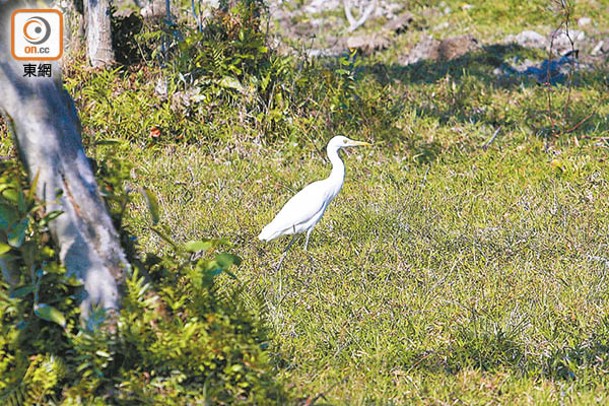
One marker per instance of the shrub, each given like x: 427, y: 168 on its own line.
x: 183, y: 335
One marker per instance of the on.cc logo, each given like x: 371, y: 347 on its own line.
x: 36, y: 30
x: 37, y: 34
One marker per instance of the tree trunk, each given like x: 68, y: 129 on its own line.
x: 74, y: 30
x: 99, y: 32
x: 46, y: 130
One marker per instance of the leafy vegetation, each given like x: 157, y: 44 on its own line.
x: 464, y: 261
x: 183, y: 332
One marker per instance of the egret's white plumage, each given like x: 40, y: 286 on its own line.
x: 302, y: 212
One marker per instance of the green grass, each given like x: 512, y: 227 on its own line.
x: 480, y: 279
x: 443, y: 272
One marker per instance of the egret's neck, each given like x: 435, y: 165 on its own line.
x: 338, y: 168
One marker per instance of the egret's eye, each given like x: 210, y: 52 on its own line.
x: 344, y: 141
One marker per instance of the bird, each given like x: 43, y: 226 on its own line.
x: 304, y: 210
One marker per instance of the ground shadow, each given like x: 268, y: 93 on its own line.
x: 492, y: 67
x: 492, y: 64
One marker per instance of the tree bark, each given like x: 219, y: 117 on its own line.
x: 99, y: 32
x: 46, y: 130
x: 74, y: 30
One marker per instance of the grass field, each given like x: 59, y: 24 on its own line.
x: 444, y: 272
x: 479, y: 277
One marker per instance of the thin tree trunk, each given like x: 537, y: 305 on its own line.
x: 46, y: 130
x: 74, y: 30
x: 99, y: 32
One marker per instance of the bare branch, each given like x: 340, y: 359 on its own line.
x: 353, y: 23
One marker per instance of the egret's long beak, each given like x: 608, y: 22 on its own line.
x: 359, y: 144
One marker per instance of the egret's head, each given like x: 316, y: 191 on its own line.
x: 340, y: 141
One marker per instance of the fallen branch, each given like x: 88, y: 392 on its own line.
x: 490, y: 140
x: 579, y: 123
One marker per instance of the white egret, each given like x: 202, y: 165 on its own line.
x: 302, y: 212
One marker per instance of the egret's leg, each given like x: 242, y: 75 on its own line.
x: 311, y: 261
x: 285, y: 251
x: 307, y: 240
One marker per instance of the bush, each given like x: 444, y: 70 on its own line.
x: 183, y: 335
